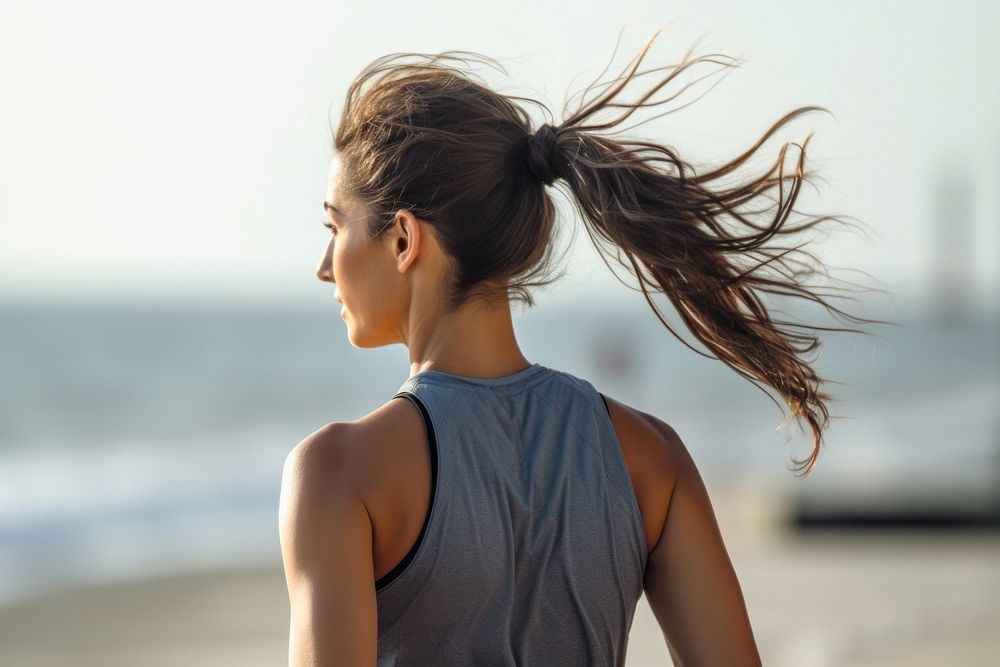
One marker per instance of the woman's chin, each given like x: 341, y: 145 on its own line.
x: 363, y: 339
x: 351, y: 329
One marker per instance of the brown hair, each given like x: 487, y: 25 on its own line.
x: 429, y: 138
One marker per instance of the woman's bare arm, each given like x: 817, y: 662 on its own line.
x: 326, y: 546
x: 690, y: 582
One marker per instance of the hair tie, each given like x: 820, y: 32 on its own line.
x: 542, y: 154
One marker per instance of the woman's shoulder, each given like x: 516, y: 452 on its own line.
x: 654, y: 455
x: 645, y: 433
x: 369, y: 449
x: 647, y: 436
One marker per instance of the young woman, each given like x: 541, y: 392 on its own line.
x: 496, y: 511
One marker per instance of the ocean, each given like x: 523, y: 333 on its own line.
x: 137, y: 441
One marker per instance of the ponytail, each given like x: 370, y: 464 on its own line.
x: 669, y: 224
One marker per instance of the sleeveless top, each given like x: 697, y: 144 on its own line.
x: 533, y: 550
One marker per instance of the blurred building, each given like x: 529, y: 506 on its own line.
x: 952, y: 266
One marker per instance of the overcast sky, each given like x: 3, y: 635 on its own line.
x: 179, y: 150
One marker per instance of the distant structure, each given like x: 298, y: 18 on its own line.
x: 615, y: 351
x: 952, y: 268
x: 613, y: 354
x: 993, y: 289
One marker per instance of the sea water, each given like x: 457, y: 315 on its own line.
x: 137, y: 441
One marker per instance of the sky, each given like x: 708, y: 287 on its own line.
x: 178, y: 151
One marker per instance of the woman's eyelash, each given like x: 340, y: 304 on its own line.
x: 329, y: 226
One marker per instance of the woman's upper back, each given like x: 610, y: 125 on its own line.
x: 356, y: 495
x: 512, y: 503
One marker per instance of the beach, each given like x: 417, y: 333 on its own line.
x: 863, y: 599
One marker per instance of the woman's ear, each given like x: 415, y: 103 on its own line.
x: 407, y: 238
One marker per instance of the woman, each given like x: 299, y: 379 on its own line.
x: 496, y: 511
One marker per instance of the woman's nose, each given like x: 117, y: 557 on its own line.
x: 323, y: 270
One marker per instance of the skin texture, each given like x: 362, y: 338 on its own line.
x: 354, y: 494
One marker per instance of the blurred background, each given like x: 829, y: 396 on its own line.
x: 164, y: 341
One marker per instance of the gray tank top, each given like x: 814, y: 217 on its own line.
x: 533, y: 550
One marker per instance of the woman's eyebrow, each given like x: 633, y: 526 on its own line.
x: 327, y: 206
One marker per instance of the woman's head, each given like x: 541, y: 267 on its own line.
x: 425, y: 142
x: 444, y: 182
x: 383, y: 263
